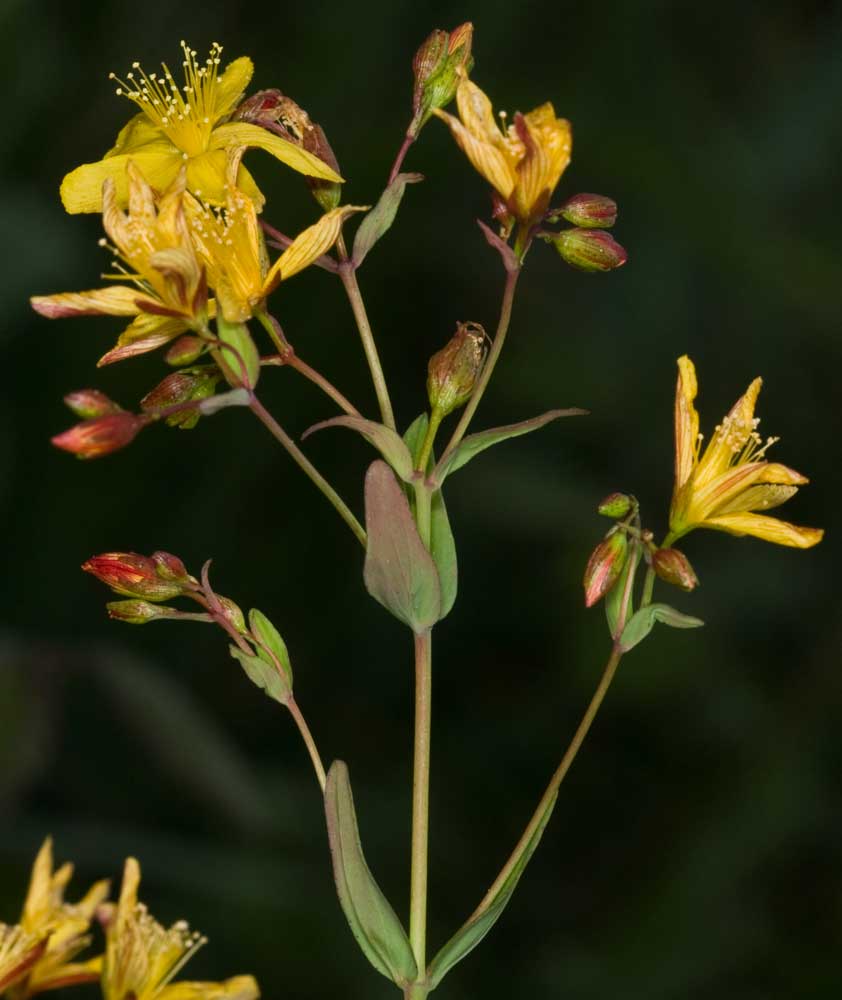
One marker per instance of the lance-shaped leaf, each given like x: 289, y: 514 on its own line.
x: 510, y: 261
x: 472, y: 445
x: 271, y: 646
x: 265, y: 675
x: 371, y: 918
x: 415, y: 434
x: 379, y: 220
x: 384, y: 439
x: 488, y: 912
x: 399, y: 572
x: 642, y: 623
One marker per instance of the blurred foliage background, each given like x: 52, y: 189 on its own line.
x: 696, y: 850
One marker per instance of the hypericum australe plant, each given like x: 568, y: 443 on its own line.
x: 196, y: 266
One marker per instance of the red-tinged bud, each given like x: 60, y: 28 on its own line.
x: 589, y: 249
x: 185, y: 350
x: 138, y: 612
x: 674, y: 567
x: 190, y: 385
x: 605, y: 566
x: 90, y: 403
x: 101, y: 435
x: 233, y: 614
x: 170, y: 567
x: 438, y: 65
x: 263, y: 108
x: 453, y: 371
x: 590, y: 211
x: 616, y: 505
x: 133, y: 575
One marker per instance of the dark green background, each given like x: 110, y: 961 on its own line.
x: 695, y: 851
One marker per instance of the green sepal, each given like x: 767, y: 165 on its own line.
x: 399, y: 572
x: 472, y: 445
x: 642, y: 623
x: 379, y: 220
x: 384, y: 439
x: 489, y: 911
x: 264, y: 674
x: 270, y: 643
x: 370, y: 916
x: 243, y: 353
x: 614, y: 598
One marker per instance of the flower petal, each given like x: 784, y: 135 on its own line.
x: 729, y: 439
x: 143, y: 334
x: 547, y: 142
x: 253, y: 136
x: 140, y: 134
x: 308, y: 245
x: 81, y: 189
x: 116, y: 300
x: 476, y: 113
x: 485, y: 158
x: 230, y: 85
x: 762, y: 497
x: 686, y: 422
x: 237, y: 988
x: 770, y: 529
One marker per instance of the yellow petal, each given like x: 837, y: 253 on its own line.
x: 686, y: 422
x: 81, y: 189
x: 66, y: 974
x: 38, y: 898
x: 230, y: 86
x: 485, y: 158
x: 141, y: 196
x: 138, y: 135
x: 145, y: 333
x: 761, y: 497
x: 207, y: 176
x: 116, y: 300
x: 308, y: 245
x: 476, y: 113
x: 253, y: 136
x: 731, y: 436
x: 547, y: 142
x: 236, y: 988
x: 770, y: 529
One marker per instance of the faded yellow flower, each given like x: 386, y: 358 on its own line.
x: 230, y: 244
x: 166, y: 290
x: 185, y: 126
x: 37, y: 953
x: 523, y: 162
x: 142, y: 957
x: 724, y: 486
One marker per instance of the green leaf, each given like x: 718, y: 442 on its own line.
x: 443, y: 551
x: 371, y: 918
x: 642, y: 623
x: 379, y: 220
x: 399, y: 572
x: 384, y: 439
x: 241, y: 355
x: 415, y: 435
x: 472, y: 445
x: 488, y: 912
x: 264, y: 674
x: 274, y: 649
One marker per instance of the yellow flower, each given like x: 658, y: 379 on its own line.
x: 230, y: 243
x: 184, y: 126
x: 142, y: 957
x: 168, y: 293
x: 524, y: 162
x: 37, y: 954
x: 725, y: 485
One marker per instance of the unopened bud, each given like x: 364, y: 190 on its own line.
x: 90, y: 403
x: 437, y: 67
x: 605, y: 566
x: 170, y: 567
x: 616, y: 505
x: 138, y: 612
x: 233, y: 614
x: 133, y: 575
x: 263, y: 108
x: 590, y: 211
x: 452, y: 373
x: 674, y: 567
x: 589, y: 249
x: 185, y: 350
x: 102, y: 435
x: 186, y: 386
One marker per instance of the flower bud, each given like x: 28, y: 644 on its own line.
x: 185, y: 350
x: 590, y: 211
x: 604, y: 566
x: 133, y: 575
x: 437, y: 67
x: 138, y: 612
x: 233, y: 614
x: 616, y: 505
x: 589, y: 249
x: 674, y: 567
x: 263, y: 108
x: 102, y: 435
x: 452, y: 373
x: 89, y: 403
x: 170, y: 567
x: 185, y: 386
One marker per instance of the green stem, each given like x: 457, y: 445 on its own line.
x: 309, y: 742
x: 427, y: 446
x: 308, y: 468
x: 408, y: 140
x: 488, y: 369
x: 556, y: 780
x: 420, y: 807
x: 348, y: 275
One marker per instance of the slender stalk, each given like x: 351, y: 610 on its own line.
x: 308, y: 468
x: 427, y: 446
x: 309, y: 742
x: 557, y: 778
x: 488, y: 370
x: 396, y: 166
x: 352, y: 289
x: 420, y: 804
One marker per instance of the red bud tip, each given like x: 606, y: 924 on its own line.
x: 590, y: 211
x: 100, y: 436
x: 604, y: 566
x: 133, y: 575
x: 674, y: 567
x: 90, y: 403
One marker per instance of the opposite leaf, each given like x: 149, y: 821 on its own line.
x: 642, y: 623
x: 274, y: 649
x: 379, y: 220
x: 399, y: 572
x: 384, y: 439
x: 264, y: 675
x: 371, y: 918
